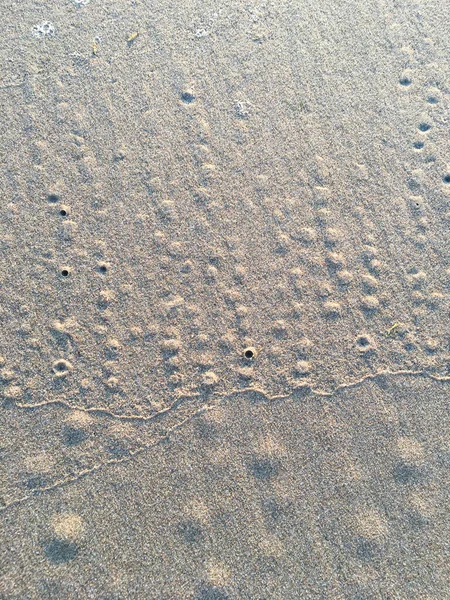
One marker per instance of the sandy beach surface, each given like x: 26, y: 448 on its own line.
x: 225, y: 300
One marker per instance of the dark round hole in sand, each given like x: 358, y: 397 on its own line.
x: 405, y: 81
x: 363, y: 341
x: 424, y: 127
x: 432, y: 100
x: 187, y: 97
x: 53, y: 198
x: 63, y: 212
x: 65, y: 273
x: 418, y: 145
x: 103, y: 268
x: 446, y: 179
x: 249, y: 354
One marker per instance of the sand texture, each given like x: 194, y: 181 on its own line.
x: 224, y: 300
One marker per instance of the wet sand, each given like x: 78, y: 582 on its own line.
x: 224, y: 300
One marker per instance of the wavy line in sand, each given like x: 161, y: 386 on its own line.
x: 220, y: 398
x: 317, y: 391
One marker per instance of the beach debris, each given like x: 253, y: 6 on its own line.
x: 132, y: 37
x: 393, y: 329
x: 44, y: 29
x: 202, y: 32
x: 242, y: 109
x: 96, y: 46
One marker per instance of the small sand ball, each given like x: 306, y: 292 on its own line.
x: 2, y: 358
x: 187, y: 266
x: 323, y: 214
x: 418, y: 297
x: 12, y: 392
x: 371, y: 525
x: 231, y: 296
x: 240, y: 273
x: 332, y: 309
x: 410, y: 450
x: 431, y: 345
x: 112, y: 383
x: 278, y: 215
x: 302, y: 367
x: 135, y: 332
x: 324, y: 290
x: 241, y: 311
x: 369, y: 252
x: 336, y: 260
x: 61, y: 367
x: 279, y: 327
x: 419, y: 279
x: 370, y: 302
x: 171, y: 345
x: 283, y: 243
x: 303, y: 346
x: 212, y: 272
x: 68, y: 526
x: 159, y: 237
x: 210, y: 379
x: 109, y: 366
x: 365, y: 343
x: 298, y: 309
x: 332, y: 236
x: 7, y: 375
x: 205, y: 360
x: 423, y: 223
x: 370, y: 282
x: 296, y: 273
x: 375, y: 266
x: 174, y: 362
x: 68, y: 230
x: 307, y: 235
x: 420, y: 240
x: 175, y: 249
x: 435, y: 299
x: 245, y: 373
x: 105, y: 298
x: 113, y: 344
x: 344, y: 277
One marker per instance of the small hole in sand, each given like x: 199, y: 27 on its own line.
x: 187, y: 97
x: 446, y: 179
x: 432, y: 100
x: 249, y: 353
x: 63, y: 212
x: 418, y: 145
x: 103, y: 268
x: 424, y: 127
x: 65, y: 273
x: 53, y: 198
x: 405, y: 81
